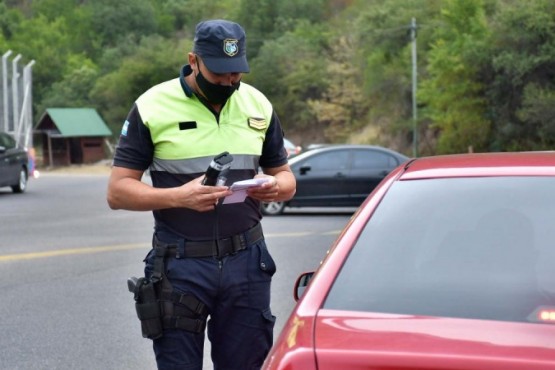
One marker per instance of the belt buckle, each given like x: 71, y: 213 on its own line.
x: 239, y: 242
x: 220, y: 248
x: 227, y: 246
x: 231, y: 245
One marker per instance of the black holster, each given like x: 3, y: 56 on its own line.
x: 159, y: 307
x: 147, y: 306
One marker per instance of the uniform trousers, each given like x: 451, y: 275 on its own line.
x: 236, y: 291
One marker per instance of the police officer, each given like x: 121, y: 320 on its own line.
x: 210, y: 254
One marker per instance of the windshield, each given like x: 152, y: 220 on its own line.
x: 461, y: 247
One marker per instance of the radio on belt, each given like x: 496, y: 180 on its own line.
x: 217, y: 170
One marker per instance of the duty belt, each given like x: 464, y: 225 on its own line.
x: 183, y: 248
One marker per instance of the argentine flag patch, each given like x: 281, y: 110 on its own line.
x: 124, y: 128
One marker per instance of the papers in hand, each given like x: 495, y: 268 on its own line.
x: 239, y: 189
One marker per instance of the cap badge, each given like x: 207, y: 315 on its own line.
x: 230, y: 47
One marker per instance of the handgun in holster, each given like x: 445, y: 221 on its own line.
x: 147, y: 306
x: 160, y: 307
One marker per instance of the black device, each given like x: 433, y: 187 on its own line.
x: 217, y: 170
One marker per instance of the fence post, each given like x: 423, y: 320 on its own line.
x: 27, y: 107
x: 15, y: 92
x: 5, y: 88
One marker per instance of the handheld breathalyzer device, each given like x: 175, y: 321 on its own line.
x: 217, y: 170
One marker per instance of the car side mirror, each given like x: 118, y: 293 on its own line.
x: 2, y: 149
x: 304, y: 169
x: 301, y: 284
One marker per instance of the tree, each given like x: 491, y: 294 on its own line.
x: 266, y: 20
x: 114, y: 19
x: 342, y: 106
x: 74, y: 89
x: 538, y: 115
x: 48, y: 43
x: 452, y: 93
x: 523, y: 69
x: 9, y: 20
x: 290, y: 71
x: 154, y: 61
x: 186, y: 14
x: 486, y: 68
x: 380, y: 35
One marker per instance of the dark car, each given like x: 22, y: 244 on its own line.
x: 447, y: 265
x: 337, y: 176
x: 14, y: 164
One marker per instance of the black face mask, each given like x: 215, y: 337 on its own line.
x: 217, y: 94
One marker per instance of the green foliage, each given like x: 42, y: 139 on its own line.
x: 52, y: 9
x: 186, y: 14
x: 111, y: 20
x: 538, y: 117
x: 9, y: 20
x: 46, y: 42
x: 257, y: 18
x: 453, y: 95
x: 335, y: 70
x: 290, y: 71
x: 155, y: 60
x: 382, y: 41
x: 73, y: 90
x: 523, y: 68
x: 267, y: 20
x: 342, y: 105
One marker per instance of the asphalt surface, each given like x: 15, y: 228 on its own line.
x: 65, y: 258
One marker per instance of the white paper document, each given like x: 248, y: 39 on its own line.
x: 239, y: 189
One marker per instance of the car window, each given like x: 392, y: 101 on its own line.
x: 372, y: 159
x: 333, y: 160
x: 476, y: 248
x: 6, y: 141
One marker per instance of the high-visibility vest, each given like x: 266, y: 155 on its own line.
x: 187, y: 135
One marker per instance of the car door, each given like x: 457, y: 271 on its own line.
x: 9, y: 160
x: 321, y: 179
x: 5, y: 176
x: 368, y: 168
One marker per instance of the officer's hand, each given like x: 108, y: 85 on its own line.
x: 199, y: 197
x: 267, y: 192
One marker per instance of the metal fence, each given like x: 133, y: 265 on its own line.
x: 16, y: 103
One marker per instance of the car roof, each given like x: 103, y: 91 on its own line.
x: 332, y: 147
x: 481, y: 164
x: 326, y: 147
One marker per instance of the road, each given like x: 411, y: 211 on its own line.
x: 65, y: 258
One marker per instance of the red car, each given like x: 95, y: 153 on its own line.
x: 448, y: 264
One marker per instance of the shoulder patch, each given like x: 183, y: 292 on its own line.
x: 125, y: 128
x: 258, y: 123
